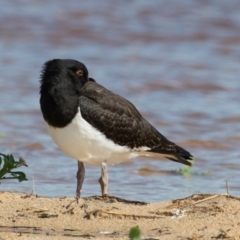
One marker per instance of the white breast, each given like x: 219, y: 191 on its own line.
x: 85, y: 143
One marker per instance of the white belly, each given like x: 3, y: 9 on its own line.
x: 85, y: 143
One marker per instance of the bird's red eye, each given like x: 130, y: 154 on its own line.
x: 79, y: 73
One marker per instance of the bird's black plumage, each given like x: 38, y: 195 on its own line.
x: 63, y: 91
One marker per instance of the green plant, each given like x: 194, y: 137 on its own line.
x: 135, y: 233
x: 8, y: 163
x: 186, y: 171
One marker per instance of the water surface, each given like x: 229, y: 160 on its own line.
x: 177, y: 61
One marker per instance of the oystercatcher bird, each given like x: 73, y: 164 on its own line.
x: 94, y: 125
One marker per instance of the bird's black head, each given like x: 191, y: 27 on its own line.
x: 70, y: 74
x: 60, y: 85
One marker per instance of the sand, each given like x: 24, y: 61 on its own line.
x: 205, y: 216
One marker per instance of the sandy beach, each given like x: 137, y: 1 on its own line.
x: 24, y: 216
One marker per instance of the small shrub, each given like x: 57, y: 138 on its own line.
x: 7, y: 164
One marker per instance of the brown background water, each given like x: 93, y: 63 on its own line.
x: 177, y: 61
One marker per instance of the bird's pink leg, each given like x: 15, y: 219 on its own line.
x: 103, y: 180
x: 80, y: 178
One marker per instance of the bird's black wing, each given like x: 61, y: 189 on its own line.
x: 120, y: 121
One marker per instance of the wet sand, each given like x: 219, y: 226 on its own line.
x: 205, y: 216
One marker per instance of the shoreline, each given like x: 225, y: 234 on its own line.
x: 203, y: 216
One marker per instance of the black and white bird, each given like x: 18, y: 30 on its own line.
x: 94, y: 125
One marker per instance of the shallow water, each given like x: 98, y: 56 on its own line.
x: 178, y: 62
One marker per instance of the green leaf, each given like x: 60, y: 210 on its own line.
x: 135, y: 233
x: 186, y: 171
x: 7, y: 164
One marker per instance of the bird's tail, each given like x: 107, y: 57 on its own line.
x: 176, y: 158
x: 177, y: 154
